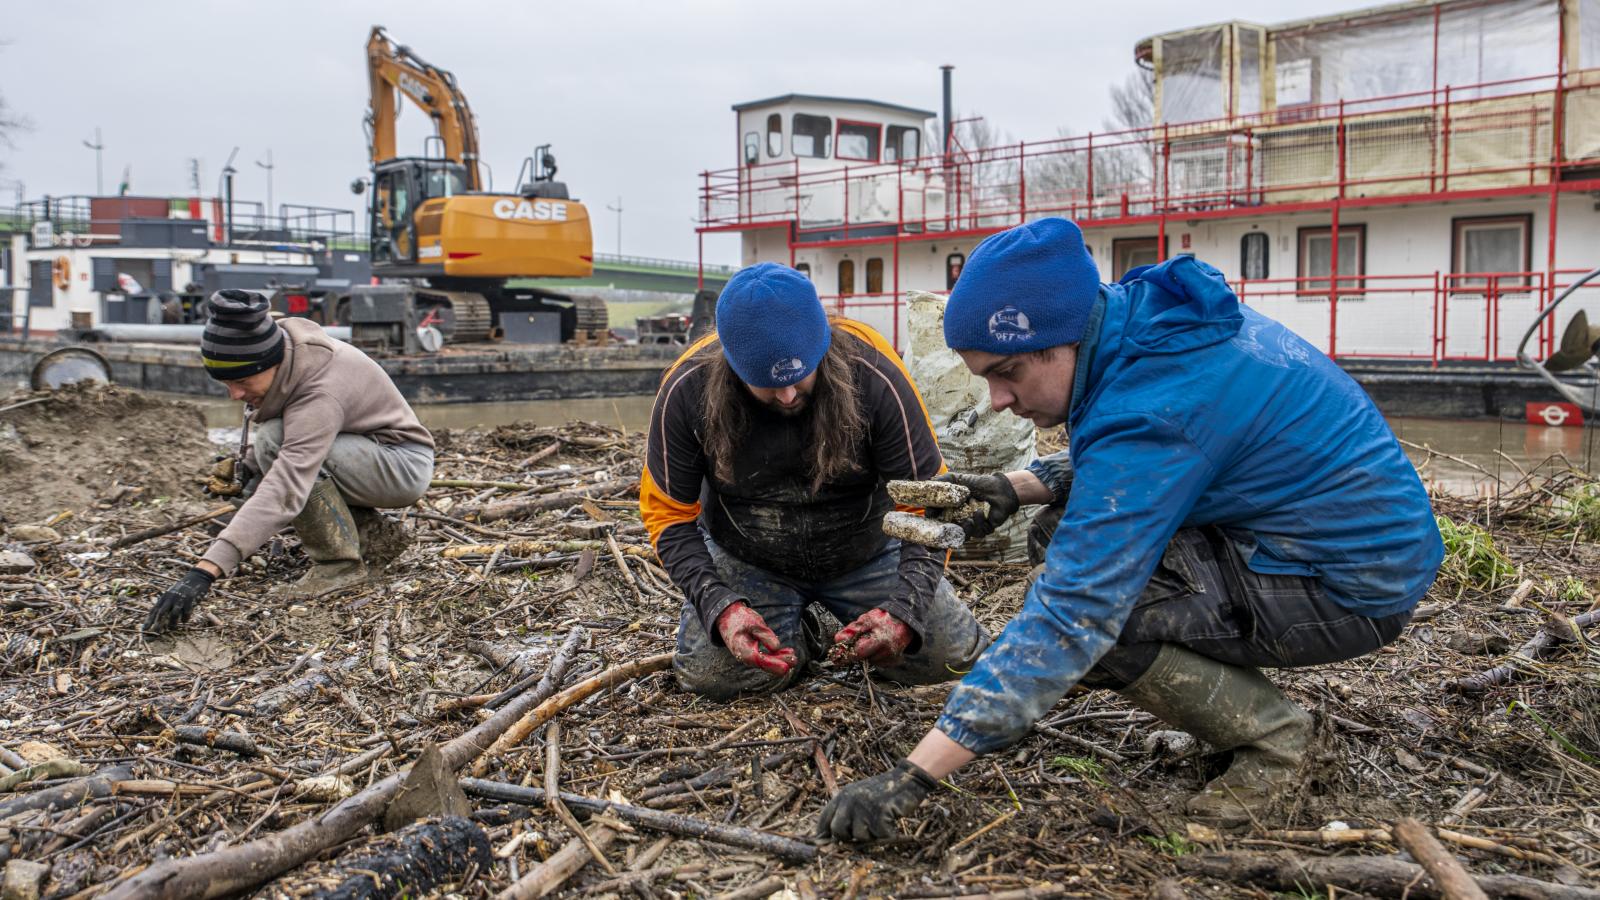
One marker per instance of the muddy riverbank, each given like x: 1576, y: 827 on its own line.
x: 510, y: 562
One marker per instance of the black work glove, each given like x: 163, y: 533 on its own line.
x: 252, y: 480
x: 995, y: 490
x: 173, y: 607
x: 867, y: 809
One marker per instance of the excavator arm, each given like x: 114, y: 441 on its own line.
x: 392, y: 67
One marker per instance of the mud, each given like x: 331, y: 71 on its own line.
x: 97, y: 446
x: 346, y: 689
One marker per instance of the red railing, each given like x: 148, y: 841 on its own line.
x: 1433, y: 318
x: 1496, y: 135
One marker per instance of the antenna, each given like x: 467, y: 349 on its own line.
x: 99, y: 175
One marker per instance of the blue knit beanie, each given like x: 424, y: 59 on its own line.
x: 1027, y: 288
x: 772, y: 326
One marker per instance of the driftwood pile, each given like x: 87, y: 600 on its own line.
x: 495, y: 716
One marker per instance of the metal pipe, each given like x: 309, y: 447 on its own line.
x: 949, y: 125
x: 227, y: 224
x: 173, y: 334
x: 1590, y: 403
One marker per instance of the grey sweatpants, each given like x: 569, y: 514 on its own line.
x: 366, y: 472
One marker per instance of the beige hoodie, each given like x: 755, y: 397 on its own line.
x: 323, y: 387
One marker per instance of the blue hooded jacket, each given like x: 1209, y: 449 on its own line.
x: 1188, y: 409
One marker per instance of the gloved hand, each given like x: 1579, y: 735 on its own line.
x: 232, y: 479
x: 995, y: 490
x: 221, y: 480
x: 875, y: 636
x: 867, y: 809
x: 174, y: 606
x: 751, y: 642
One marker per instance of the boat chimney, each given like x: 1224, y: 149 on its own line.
x: 949, y: 128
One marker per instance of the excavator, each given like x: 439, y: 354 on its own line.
x: 442, y: 246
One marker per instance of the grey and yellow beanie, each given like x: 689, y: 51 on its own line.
x: 240, y: 339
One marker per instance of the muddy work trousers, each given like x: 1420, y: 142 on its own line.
x: 952, y: 641
x: 1203, y: 596
x: 366, y: 472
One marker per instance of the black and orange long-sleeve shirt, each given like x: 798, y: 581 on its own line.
x: 768, y: 515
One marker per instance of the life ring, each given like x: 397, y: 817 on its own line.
x: 61, y: 271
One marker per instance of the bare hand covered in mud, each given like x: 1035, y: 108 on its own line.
x: 751, y: 642
x: 876, y: 637
x: 175, y: 605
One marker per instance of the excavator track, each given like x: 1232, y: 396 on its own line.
x: 464, y: 316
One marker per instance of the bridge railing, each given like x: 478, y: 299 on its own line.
x: 653, y: 262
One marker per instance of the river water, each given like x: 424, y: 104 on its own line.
x: 1485, y: 451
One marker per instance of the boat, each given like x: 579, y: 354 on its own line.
x: 1406, y: 186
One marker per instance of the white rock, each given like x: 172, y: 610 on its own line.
x: 15, y: 562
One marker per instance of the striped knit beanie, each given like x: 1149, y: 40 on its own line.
x: 240, y: 339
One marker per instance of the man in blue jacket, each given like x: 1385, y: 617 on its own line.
x: 1233, y: 500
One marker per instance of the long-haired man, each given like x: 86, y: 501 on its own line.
x: 770, y: 444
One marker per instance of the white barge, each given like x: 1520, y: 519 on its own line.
x: 1405, y: 186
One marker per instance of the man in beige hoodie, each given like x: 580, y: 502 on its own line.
x: 334, y: 441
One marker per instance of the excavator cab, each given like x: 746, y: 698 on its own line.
x: 399, y: 188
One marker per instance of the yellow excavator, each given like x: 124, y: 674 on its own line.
x: 442, y: 246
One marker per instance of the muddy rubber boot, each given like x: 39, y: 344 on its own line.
x: 382, y: 538
x: 327, y: 531
x: 1231, y: 708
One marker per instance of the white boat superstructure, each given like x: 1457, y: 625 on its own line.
x: 1407, y: 182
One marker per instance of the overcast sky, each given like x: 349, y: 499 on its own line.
x: 634, y: 96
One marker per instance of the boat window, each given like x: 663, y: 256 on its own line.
x: 774, y: 135
x: 1316, y: 252
x: 1191, y: 76
x: 813, y: 136
x: 905, y: 144
x: 1481, y: 50
x: 752, y: 148
x: 1250, y: 40
x: 858, y: 140
x: 1589, y: 34
x: 952, y: 269
x: 1494, y: 46
x: 1491, y: 245
x: 1131, y: 253
x: 847, y: 277
x: 875, y: 275
x: 1253, y: 249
